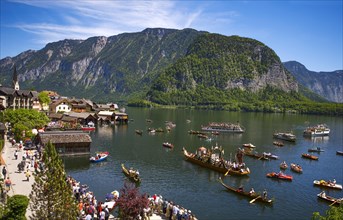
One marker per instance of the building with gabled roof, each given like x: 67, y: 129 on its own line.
x: 66, y: 142
x: 15, y: 98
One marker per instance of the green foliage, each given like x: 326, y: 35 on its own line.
x: 16, y: 207
x: 51, y: 195
x: 333, y: 213
x: 44, y: 97
x: 24, y: 120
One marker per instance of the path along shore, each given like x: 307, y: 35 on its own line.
x: 20, y: 185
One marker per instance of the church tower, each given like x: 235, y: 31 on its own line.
x: 15, y: 79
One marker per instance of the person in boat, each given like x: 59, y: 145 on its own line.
x: 265, y: 194
x: 334, y: 182
x: 240, y: 189
x: 252, y: 191
x: 322, y: 194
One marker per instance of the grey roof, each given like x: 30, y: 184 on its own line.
x: 60, y: 137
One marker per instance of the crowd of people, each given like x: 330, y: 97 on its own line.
x: 172, y: 211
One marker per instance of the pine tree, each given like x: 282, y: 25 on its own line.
x: 52, y: 196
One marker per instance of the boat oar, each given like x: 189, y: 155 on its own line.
x: 261, y: 157
x: 253, y: 200
x: 337, y: 200
x: 333, y: 202
x: 227, y: 172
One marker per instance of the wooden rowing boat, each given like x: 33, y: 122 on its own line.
x: 133, y: 175
x: 331, y: 199
x: 254, y: 196
x: 249, y: 145
x: 202, y: 161
x: 168, y: 145
x: 278, y: 143
x: 280, y: 175
x: 327, y: 184
x: 283, y: 165
x: 296, y: 168
x: 139, y: 132
x: 310, y: 156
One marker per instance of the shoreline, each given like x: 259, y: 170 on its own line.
x: 20, y: 185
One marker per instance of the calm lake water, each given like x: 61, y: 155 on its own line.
x: 165, y: 171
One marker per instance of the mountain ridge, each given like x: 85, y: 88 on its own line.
x: 128, y: 65
x: 324, y: 83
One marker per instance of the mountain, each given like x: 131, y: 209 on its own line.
x: 165, y: 66
x: 99, y: 68
x: 325, y: 84
x: 221, y: 69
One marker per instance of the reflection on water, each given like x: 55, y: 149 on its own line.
x: 164, y: 171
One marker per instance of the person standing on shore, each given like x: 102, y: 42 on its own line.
x: 8, y: 184
x: 4, y: 172
x: 28, y: 174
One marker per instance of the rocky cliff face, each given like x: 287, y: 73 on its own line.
x: 325, y: 84
x: 99, y: 66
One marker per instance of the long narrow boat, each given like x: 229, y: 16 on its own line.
x: 168, y: 145
x: 280, y: 175
x: 133, y: 175
x: 255, y: 196
x: 309, y: 156
x: 221, y: 167
x: 339, y: 152
x: 327, y: 184
x: 249, y: 145
x: 139, y: 132
x: 101, y: 156
x: 256, y: 155
x: 331, y: 199
x: 317, y: 150
x: 271, y: 156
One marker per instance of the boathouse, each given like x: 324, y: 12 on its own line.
x: 66, y: 142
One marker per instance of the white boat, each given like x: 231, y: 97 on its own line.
x: 285, y: 136
x: 327, y: 184
x: 318, y: 130
x: 223, y: 127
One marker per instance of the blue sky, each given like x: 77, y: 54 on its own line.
x: 309, y: 32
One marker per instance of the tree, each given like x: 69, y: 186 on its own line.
x: 25, y: 120
x: 44, y: 98
x: 52, y: 197
x: 16, y: 207
x: 131, y: 202
x: 333, y: 213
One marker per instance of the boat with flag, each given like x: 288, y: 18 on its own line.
x: 251, y: 194
x: 213, y: 159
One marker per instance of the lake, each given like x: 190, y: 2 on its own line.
x: 165, y: 172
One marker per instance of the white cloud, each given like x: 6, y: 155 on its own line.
x: 80, y: 19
